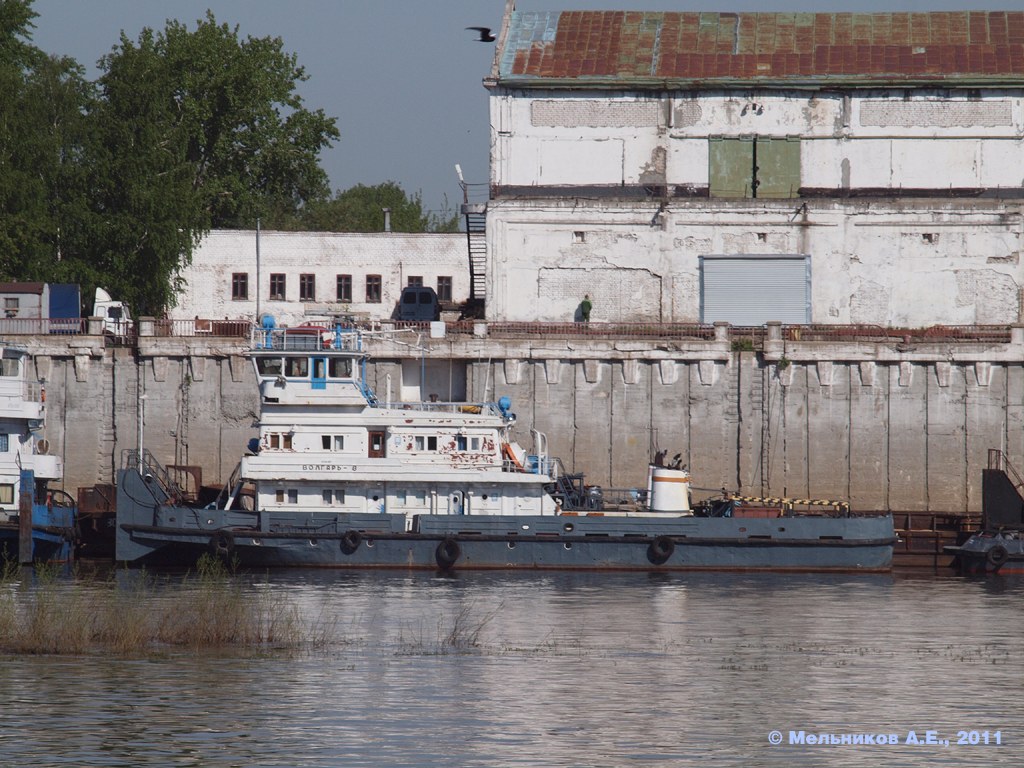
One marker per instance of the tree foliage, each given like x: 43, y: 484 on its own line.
x: 197, y: 129
x: 113, y: 183
x: 361, y: 209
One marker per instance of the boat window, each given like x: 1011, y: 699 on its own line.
x: 274, y: 441
x: 432, y: 443
x: 279, y: 496
x: 286, y: 442
x: 319, y: 368
x: 5, y: 443
x: 340, y: 368
x: 8, y: 367
x: 339, y: 442
x: 296, y: 366
x: 460, y: 442
x: 293, y: 496
x: 474, y: 443
x: 419, y: 443
x: 268, y: 366
x: 6, y: 493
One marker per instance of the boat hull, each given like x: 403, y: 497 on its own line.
x: 159, y: 533
x: 990, y: 552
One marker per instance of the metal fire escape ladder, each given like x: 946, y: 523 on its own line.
x: 476, y: 240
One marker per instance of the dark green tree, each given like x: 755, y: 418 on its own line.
x: 195, y: 129
x: 360, y: 209
x: 43, y: 130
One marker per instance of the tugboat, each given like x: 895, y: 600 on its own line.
x: 37, y: 522
x: 999, y: 546
x: 339, y: 478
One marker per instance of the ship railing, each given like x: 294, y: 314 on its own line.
x: 148, y: 466
x: 489, y: 409
x: 312, y: 336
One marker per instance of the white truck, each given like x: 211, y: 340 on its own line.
x: 117, y: 321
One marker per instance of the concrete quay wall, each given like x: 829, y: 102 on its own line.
x: 887, y: 426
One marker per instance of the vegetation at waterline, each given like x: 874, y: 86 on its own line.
x: 138, y: 615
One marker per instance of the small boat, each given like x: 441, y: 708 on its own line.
x: 37, y: 521
x: 990, y: 551
x: 340, y: 478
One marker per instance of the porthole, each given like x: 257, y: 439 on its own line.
x: 568, y: 545
x: 511, y: 545
x: 568, y: 527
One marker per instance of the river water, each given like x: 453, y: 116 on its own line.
x: 559, y: 670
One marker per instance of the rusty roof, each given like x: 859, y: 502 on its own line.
x: 647, y: 49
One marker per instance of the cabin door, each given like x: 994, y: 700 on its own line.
x: 457, y: 503
x: 376, y: 445
x: 319, y: 373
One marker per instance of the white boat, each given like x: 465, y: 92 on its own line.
x: 36, y: 520
x: 338, y: 478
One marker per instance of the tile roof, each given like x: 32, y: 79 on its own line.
x: 647, y: 49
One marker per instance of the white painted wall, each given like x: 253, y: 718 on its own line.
x: 898, y: 260
x: 932, y: 139
x: 206, y: 291
x: 950, y: 262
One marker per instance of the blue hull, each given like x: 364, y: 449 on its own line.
x: 52, y: 536
x: 175, y: 535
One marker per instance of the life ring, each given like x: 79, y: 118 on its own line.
x: 997, y: 555
x: 660, y: 550
x: 350, y: 541
x: 222, y: 545
x: 447, y: 553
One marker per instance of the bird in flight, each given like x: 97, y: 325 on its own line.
x: 485, y: 34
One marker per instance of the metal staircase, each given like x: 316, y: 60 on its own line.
x: 476, y: 240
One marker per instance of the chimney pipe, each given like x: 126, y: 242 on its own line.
x: 387, y: 219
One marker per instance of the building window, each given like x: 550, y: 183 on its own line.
x: 415, y: 280
x: 6, y: 493
x: 444, y: 288
x: 373, y: 291
x: 11, y: 307
x: 307, y: 287
x: 277, y: 287
x: 345, y: 288
x: 239, y: 286
x: 759, y: 166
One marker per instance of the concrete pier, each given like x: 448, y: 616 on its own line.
x: 899, y: 424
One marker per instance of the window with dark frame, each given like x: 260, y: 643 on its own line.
x: 416, y: 280
x: 373, y: 289
x: 277, y: 286
x: 307, y: 287
x: 444, y: 288
x: 239, y: 286
x: 345, y: 288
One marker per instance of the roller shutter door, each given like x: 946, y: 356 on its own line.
x: 752, y: 290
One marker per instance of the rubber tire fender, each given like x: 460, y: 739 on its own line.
x: 996, y: 556
x: 350, y: 541
x: 447, y: 553
x: 222, y: 545
x: 660, y: 550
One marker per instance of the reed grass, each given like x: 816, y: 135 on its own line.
x: 42, y: 612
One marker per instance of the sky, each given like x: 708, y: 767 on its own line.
x: 403, y: 78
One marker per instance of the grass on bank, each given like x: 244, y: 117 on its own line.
x: 137, y: 615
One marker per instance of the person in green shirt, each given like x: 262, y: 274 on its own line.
x: 585, y: 307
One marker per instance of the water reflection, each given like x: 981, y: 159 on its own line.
x: 552, y: 670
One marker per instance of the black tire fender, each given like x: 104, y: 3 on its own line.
x: 447, y: 553
x: 222, y: 545
x: 350, y: 541
x: 660, y: 550
x: 997, y: 555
